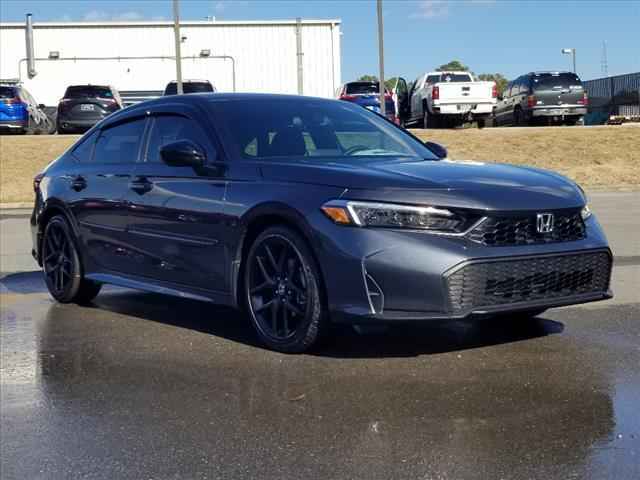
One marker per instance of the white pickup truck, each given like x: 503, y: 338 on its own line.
x: 439, y: 99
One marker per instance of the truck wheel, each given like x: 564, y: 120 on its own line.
x: 429, y: 121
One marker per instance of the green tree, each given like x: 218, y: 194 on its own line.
x: 501, y: 81
x: 368, y: 78
x: 453, y: 66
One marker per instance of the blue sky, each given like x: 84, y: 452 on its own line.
x: 510, y: 37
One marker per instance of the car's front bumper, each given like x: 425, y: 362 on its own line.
x: 388, y: 275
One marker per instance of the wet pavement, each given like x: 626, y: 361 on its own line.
x: 148, y: 387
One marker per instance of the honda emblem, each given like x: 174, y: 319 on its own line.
x: 544, y: 223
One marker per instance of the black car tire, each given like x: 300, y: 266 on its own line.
x: 430, y: 121
x: 268, y: 288
x: 517, y: 118
x: 62, y: 267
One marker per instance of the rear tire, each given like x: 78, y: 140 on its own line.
x: 517, y: 118
x: 283, y: 291
x: 429, y: 121
x: 62, y: 267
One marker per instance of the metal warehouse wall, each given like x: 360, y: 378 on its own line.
x: 264, y: 53
x: 619, y: 95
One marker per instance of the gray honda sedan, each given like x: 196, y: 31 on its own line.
x: 306, y: 212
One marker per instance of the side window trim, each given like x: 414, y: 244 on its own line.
x: 90, y: 138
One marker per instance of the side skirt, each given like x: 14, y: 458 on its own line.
x: 161, y: 287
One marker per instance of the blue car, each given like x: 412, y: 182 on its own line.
x: 366, y: 94
x: 20, y: 113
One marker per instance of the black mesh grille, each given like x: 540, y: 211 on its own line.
x: 521, y: 230
x: 503, y: 282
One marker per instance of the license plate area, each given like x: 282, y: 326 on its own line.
x: 87, y: 107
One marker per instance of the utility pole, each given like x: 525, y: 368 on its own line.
x: 381, y: 56
x: 178, y: 39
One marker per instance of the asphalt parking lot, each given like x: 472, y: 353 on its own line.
x: 143, y: 386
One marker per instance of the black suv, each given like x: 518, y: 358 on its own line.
x: 85, y: 105
x: 190, y: 86
x: 544, y: 97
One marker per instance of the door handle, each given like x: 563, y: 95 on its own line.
x: 141, y: 185
x: 78, y: 183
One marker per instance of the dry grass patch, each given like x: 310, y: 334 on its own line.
x: 22, y: 158
x: 594, y: 156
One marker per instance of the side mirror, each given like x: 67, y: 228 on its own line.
x: 437, y: 149
x: 183, y: 153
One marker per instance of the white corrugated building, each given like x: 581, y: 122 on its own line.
x: 262, y: 54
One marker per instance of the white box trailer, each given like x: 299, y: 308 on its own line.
x: 288, y: 56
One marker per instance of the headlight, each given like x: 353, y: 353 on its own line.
x: 391, y: 215
x: 585, y: 212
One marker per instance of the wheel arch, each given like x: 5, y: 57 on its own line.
x: 52, y: 208
x: 255, y: 222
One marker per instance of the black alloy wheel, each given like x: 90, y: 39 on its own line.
x: 62, y: 267
x: 282, y: 284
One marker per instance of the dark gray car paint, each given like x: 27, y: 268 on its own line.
x: 187, y: 234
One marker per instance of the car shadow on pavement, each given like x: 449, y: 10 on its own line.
x: 403, y: 340
x: 399, y: 341
x: 22, y: 282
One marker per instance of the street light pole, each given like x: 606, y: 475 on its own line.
x: 381, y: 56
x: 572, y: 51
x: 176, y: 33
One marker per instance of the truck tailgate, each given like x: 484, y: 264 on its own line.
x: 465, y: 92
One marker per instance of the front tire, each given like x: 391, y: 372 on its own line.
x: 62, y: 267
x: 283, y: 291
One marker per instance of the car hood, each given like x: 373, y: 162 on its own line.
x: 463, y: 184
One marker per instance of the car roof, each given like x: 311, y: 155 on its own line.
x: 190, y: 81
x: 544, y: 72
x: 195, y: 99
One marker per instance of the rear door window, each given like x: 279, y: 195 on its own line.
x: 120, y: 144
x: 455, y: 77
x: 88, y: 91
x: 7, y: 92
x: 189, y: 87
x: 362, y: 88
x: 556, y: 81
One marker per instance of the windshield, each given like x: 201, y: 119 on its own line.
x: 362, y: 88
x: 189, y: 87
x: 91, y: 91
x: 312, y: 129
x: 550, y: 81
